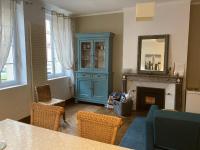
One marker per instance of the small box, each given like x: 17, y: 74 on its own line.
x: 123, y: 108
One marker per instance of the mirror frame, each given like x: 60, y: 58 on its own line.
x: 144, y: 37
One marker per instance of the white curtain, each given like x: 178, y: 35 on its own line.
x: 62, y: 34
x: 63, y: 40
x: 7, y: 21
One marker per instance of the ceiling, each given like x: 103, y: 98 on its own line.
x: 85, y: 7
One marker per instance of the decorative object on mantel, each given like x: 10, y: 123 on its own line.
x: 174, y: 68
x: 153, y: 54
x: 124, y: 82
x: 145, y: 11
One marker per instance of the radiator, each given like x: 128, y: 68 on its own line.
x: 193, y: 101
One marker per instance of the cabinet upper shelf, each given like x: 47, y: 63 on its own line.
x: 94, y: 51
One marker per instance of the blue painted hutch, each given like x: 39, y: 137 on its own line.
x: 93, y: 75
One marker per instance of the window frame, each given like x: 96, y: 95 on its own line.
x: 53, y: 53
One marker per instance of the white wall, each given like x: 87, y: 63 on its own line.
x: 170, y: 18
x: 15, y: 102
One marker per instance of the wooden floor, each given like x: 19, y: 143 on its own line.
x: 72, y: 109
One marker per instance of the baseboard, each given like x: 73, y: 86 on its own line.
x: 71, y: 100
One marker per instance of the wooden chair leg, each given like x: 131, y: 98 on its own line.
x: 64, y: 118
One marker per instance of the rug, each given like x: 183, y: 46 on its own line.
x: 134, y: 137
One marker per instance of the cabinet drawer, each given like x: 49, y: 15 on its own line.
x: 83, y: 75
x: 100, y: 76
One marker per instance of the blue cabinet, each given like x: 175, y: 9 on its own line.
x: 93, y: 68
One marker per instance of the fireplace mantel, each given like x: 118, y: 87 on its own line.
x: 153, y: 78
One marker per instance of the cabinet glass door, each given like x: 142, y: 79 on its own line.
x: 99, y: 55
x: 85, y: 56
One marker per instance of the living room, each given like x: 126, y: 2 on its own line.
x: 120, y: 22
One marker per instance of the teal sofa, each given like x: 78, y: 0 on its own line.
x: 164, y: 130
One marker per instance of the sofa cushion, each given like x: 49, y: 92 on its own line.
x: 177, y: 130
x: 134, y: 137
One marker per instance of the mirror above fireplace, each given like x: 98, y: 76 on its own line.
x: 153, y: 54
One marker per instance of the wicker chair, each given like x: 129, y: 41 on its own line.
x: 46, y: 116
x: 43, y: 95
x: 98, y: 127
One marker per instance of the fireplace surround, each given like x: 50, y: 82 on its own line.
x: 172, y: 86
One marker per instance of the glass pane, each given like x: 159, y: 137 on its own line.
x: 48, y: 40
x: 58, y: 68
x: 55, y: 55
x: 85, y: 54
x: 7, y: 73
x: 49, y: 48
x: 53, y: 65
x: 49, y: 67
x: 99, y: 55
x: 49, y: 54
x: 10, y: 56
x: 48, y: 26
x: 152, y: 54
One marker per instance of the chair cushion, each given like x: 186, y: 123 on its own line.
x: 53, y: 101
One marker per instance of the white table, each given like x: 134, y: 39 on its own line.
x: 20, y: 136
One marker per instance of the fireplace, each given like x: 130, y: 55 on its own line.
x: 149, y: 96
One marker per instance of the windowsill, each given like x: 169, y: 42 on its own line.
x: 12, y: 86
x: 57, y: 78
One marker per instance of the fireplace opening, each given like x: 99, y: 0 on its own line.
x: 149, y: 96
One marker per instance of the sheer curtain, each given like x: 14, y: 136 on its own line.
x: 63, y: 40
x: 7, y: 21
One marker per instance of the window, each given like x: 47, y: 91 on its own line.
x: 8, y: 73
x: 54, y: 68
x: 14, y: 71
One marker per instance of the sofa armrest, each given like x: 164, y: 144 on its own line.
x: 149, y: 131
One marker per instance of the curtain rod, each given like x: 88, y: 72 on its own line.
x: 53, y: 11
x: 25, y: 1
x: 28, y: 1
